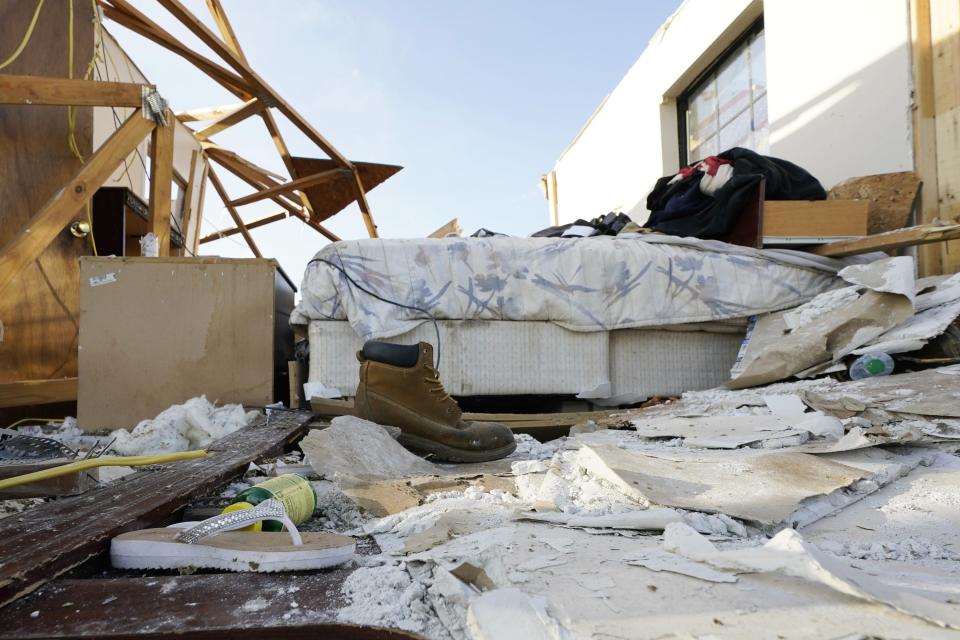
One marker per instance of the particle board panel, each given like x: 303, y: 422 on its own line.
x: 159, y: 331
x: 815, y: 218
x: 39, y: 310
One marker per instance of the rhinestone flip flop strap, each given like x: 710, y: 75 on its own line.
x: 266, y: 510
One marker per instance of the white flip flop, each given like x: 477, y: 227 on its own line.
x: 214, y: 544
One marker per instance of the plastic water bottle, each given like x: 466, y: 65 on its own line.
x: 870, y: 365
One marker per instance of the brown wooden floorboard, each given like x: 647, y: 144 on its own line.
x: 50, y: 539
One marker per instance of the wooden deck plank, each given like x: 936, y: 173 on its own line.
x: 167, y: 603
x: 50, y: 539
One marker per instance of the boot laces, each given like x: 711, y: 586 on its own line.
x: 436, y: 384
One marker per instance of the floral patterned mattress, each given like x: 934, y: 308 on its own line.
x: 582, y: 284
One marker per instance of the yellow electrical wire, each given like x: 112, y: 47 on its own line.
x: 105, y: 461
x: 26, y: 37
x: 43, y: 420
x: 72, y: 111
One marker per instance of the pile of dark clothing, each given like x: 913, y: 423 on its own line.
x: 608, y: 225
x: 704, y: 200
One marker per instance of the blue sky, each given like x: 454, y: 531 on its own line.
x: 474, y: 100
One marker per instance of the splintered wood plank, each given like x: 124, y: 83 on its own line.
x: 451, y: 227
x: 237, y: 220
x: 115, y: 606
x: 37, y: 90
x: 912, y: 236
x: 33, y: 392
x: 293, y: 185
x: 223, y: 123
x: 245, y: 605
x: 161, y: 180
x: 47, y: 223
x: 250, y: 225
x: 50, y: 539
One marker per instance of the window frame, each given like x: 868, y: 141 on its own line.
x: 683, y: 100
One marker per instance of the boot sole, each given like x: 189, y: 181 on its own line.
x: 446, y: 453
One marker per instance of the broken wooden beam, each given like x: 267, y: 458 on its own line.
x: 37, y: 90
x: 38, y: 545
x: 293, y: 185
x: 127, y: 15
x: 909, y: 237
x: 283, y: 215
x: 226, y: 121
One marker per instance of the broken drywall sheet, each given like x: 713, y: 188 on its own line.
x: 936, y: 309
x: 830, y: 336
x: 721, y: 432
x: 663, y: 560
x: 638, y: 520
x: 789, y: 554
x: 759, y: 487
x: 934, y: 392
x: 352, y: 450
x: 511, y: 614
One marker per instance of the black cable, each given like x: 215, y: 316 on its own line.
x: 429, y: 315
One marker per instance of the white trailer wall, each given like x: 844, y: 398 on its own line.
x: 839, y: 98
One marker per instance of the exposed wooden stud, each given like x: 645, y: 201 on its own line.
x: 237, y: 220
x: 252, y: 107
x: 909, y: 237
x: 218, y: 152
x: 252, y: 175
x: 293, y: 185
x: 218, y: 235
x: 36, y: 392
x: 188, y: 198
x: 203, y: 192
x: 925, y: 130
x: 123, y: 13
x: 30, y: 242
x: 39, y: 90
x: 226, y: 30
x: 161, y: 178
x: 945, y: 38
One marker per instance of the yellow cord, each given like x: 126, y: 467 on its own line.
x: 26, y: 37
x: 43, y: 420
x: 72, y: 112
x: 105, y: 461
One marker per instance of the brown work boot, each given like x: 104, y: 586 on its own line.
x: 399, y: 386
